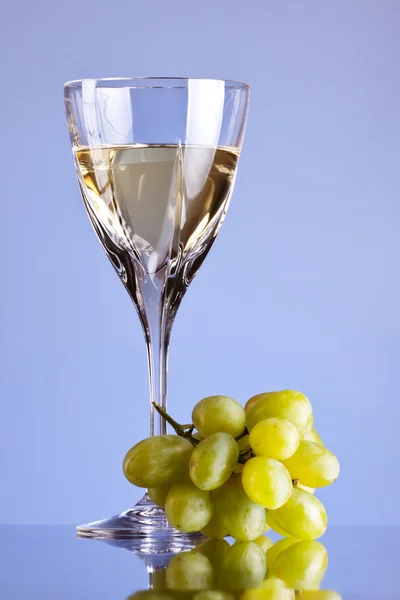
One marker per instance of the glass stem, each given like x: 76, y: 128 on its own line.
x: 157, y: 335
x: 157, y: 354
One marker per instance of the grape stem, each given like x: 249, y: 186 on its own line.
x: 179, y: 429
x: 243, y: 434
x: 186, y: 431
x: 245, y: 455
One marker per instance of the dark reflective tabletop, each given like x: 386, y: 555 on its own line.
x: 51, y: 562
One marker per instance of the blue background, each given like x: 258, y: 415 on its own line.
x: 300, y: 290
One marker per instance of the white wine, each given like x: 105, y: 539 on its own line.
x: 157, y: 205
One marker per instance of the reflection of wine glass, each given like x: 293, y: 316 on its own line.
x: 156, y: 160
x: 156, y: 552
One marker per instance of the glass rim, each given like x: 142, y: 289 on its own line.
x: 177, y: 82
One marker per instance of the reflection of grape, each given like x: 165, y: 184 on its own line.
x: 158, y: 460
x: 303, y: 516
x: 313, y: 465
x: 187, y: 508
x: 264, y: 542
x: 189, y: 571
x: 301, y: 566
x: 267, y: 482
x: 271, y: 523
x: 219, y: 414
x: 288, y: 404
x: 215, y: 550
x: 158, y: 579
x: 244, y: 566
x: 279, y: 547
x: 275, y: 438
x: 213, y: 461
x: 244, y: 519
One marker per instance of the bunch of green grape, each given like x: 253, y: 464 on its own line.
x: 239, y: 471
x: 215, y: 570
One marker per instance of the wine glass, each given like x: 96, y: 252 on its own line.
x: 156, y: 160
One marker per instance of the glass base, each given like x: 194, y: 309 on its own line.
x: 156, y: 552
x: 145, y: 520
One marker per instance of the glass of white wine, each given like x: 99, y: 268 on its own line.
x: 156, y: 160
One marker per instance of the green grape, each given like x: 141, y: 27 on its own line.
x: 269, y: 594
x: 271, y: 523
x: 217, y: 414
x: 213, y: 595
x: 302, y: 566
x: 312, y: 436
x: 198, y: 436
x: 303, y: 516
x: 158, y: 460
x: 244, y: 566
x: 254, y: 399
x: 313, y: 465
x: 267, y: 482
x: 287, y: 404
x: 159, y: 494
x: 320, y: 595
x: 279, y: 547
x: 310, y: 490
x: 272, y: 583
x: 275, y: 438
x: 244, y: 519
x: 244, y: 443
x: 215, y: 528
x: 189, y: 571
x: 261, y: 593
x: 187, y: 508
x: 213, y: 461
x: 264, y: 542
x: 215, y: 551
